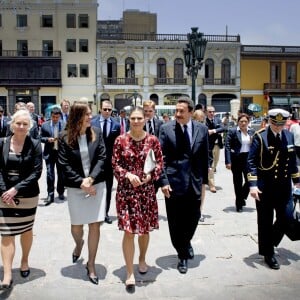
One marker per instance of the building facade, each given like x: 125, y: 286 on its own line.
x: 270, y: 76
x: 47, y: 52
x: 132, y: 67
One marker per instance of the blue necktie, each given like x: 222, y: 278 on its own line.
x: 105, y: 128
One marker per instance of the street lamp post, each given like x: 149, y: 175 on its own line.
x: 289, y: 101
x: 135, y: 95
x: 193, y: 56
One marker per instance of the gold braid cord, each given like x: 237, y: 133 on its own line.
x: 261, y: 162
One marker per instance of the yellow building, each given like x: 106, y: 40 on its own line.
x: 270, y: 77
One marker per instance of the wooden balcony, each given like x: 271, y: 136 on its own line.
x: 33, y: 68
x: 29, y: 53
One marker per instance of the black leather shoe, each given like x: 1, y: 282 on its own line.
x: 49, y: 200
x: 75, y: 257
x: 25, y: 273
x: 272, y: 262
x: 191, y: 253
x: 61, y: 197
x: 108, y: 220
x: 239, y: 209
x: 6, y: 286
x: 182, y: 266
x: 93, y: 279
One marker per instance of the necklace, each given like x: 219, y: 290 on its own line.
x: 138, y: 137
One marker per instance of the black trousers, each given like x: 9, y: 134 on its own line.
x: 240, y: 181
x: 275, y: 197
x: 183, y: 213
x: 51, y: 162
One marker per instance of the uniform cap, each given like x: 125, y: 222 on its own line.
x: 278, y: 116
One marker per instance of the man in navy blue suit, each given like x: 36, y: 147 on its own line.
x: 49, y: 135
x: 110, y: 129
x: 184, y: 144
x: 3, y: 123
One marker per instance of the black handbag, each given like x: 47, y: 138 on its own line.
x: 293, y: 222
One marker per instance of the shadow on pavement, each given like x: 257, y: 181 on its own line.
x: 78, y: 271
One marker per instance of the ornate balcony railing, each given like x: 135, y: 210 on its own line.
x: 162, y: 37
x: 283, y: 87
x: 120, y: 81
x: 219, y: 81
x: 170, y: 81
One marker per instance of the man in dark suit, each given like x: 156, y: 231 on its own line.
x: 49, y: 135
x: 152, y: 122
x: 31, y: 108
x: 184, y: 144
x: 272, y: 167
x: 215, y: 128
x: 34, y: 130
x: 111, y: 130
x: 123, y: 121
x: 3, y: 123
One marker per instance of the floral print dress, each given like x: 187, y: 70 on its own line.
x: 137, y: 208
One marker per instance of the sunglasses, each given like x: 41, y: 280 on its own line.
x: 107, y: 109
x: 210, y: 111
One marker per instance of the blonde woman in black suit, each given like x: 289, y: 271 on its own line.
x: 20, y: 169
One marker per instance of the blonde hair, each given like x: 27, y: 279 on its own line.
x: 199, y: 115
x: 20, y: 113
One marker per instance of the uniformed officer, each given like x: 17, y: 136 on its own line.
x: 272, y: 167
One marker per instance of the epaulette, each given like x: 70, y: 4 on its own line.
x: 259, y: 131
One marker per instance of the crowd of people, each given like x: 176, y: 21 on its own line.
x: 87, y: 152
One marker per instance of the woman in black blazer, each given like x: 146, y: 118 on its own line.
x: 20, y: 169
x: 237, y: 146
x: 81, y: 155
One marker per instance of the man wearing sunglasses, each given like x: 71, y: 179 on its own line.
x: 110, y: 129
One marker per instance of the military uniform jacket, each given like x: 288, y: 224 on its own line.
x: 270, y: 164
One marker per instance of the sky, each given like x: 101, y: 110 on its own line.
x: 258, y: 22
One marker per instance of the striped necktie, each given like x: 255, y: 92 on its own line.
x: 150, y: 127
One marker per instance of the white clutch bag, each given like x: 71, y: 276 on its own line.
x: 150, y: 162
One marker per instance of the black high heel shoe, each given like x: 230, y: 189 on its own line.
x: 75, y: 257
x: 25, y: 273
x: 6, y: 286
x: 93, y: 279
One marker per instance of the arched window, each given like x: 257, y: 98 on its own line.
x: 178, y: 71
x: 112, y: 70
x: 161, y: 71
x: 209, y: 71
x: 129, y: 70
x: 225, y: 72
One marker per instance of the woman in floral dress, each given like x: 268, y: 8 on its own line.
x: 136, y: 202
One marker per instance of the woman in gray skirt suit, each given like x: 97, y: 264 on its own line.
x: 81, y: 155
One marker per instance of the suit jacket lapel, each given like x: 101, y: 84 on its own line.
x: 6, y: 147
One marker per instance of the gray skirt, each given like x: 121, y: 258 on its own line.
x: 19, y: 219
x: 85, y: 209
